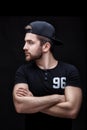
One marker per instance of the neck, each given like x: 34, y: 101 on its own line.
x: 47, y: 61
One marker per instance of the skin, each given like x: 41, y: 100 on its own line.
x: 65, y: 106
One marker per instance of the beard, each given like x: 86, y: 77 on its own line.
x: 33, y: 57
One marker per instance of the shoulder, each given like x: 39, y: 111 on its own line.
x: 26, y: 66
x: 68, y: 66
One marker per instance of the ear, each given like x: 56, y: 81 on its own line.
x: 46, y: 47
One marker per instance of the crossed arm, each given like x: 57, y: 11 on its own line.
x: 67, y: 105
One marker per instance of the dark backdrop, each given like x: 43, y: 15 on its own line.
x: 71, y: 30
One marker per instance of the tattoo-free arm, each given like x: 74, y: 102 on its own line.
x: 70, y: 107
x: 25, y: 102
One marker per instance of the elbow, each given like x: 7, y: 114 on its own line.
x: 74, y: 111
x: 18, y: 109
x: 73, y: 114
x: 18, y: 105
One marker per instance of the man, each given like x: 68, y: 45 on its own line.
x: 47, y: 90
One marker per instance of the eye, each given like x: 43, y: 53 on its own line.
x: 31, y: 42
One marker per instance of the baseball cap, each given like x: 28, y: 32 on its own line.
x: 45, y: 29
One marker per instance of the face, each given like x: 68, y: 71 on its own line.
x: 32, y: 47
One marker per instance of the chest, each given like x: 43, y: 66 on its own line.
x: 47, y: 82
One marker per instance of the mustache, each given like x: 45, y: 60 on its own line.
x: 26, y: 52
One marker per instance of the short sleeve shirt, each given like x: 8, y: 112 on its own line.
x: 44, y: 82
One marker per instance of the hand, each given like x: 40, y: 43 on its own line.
x: 23, y: 92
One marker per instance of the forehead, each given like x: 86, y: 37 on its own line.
x: 30, y: 36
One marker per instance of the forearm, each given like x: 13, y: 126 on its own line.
x: 31, y: 104
x: 68, y: 108
x: 59, y: 109
x: 63, y: 110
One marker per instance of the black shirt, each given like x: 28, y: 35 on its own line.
x: 46, y: 82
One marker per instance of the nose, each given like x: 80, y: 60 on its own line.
x: 25, y: 46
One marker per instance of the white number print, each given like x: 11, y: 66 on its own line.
x: 59, y: 82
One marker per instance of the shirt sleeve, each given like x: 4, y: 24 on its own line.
x: 74, y: 77
x: 20, y: 76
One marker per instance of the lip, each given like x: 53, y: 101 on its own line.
x: 27, y: 54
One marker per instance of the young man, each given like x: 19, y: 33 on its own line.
x: 47, y: 90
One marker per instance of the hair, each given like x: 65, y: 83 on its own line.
x: 43, y: 40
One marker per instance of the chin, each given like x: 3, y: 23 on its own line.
x: 27, y: 59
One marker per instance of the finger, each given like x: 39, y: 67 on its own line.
x: 22, y: 91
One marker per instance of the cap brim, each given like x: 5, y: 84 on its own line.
x: 57, y: 42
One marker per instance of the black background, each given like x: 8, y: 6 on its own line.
x: 70, y: 29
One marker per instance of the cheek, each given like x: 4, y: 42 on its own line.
x: 37, y: 49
